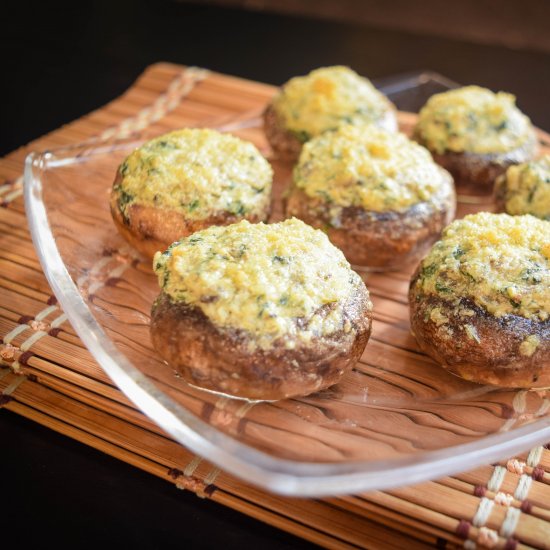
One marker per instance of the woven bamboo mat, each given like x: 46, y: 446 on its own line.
x: 48, y: 376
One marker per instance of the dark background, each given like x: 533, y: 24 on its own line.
x: 61, y: 61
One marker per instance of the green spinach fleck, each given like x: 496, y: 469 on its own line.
x: 193, y: 205
x: 237, y: 208
x: 441, y: 287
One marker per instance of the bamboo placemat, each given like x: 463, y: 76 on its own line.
x: 48, y: 376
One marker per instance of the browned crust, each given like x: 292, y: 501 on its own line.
x: 220, y: 360
x: 288, y: 147
x: 477, y: 172
x: 379, y: 240
x: 283, y: 142
x: 499, y: 193
x: 496, y: 359
x: 150, y: 229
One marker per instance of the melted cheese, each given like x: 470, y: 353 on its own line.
x: 526, y: 188
x: 269, y: 280
x: 500, y: 262
x: 473, y: 119
x: 369, y: 168
x: 328, y: 97
x: 197, y: 172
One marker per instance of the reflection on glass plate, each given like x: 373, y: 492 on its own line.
x: 396, y: 419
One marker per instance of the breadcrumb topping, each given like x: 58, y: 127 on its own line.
x: 473, y: 119
x: 197, y: 172
x: 526, y: 188
x: 370, y: 168
x: 498, y: 261
x: 328, y: 97
x: 270, y: 280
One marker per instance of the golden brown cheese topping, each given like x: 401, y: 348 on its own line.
x: 473, y: 119
x: 198, y: 172
x: 270, y: 280
x: 500, y: 262
x: 368, y: 167
x: 328, y: 97
x: 526, y: 188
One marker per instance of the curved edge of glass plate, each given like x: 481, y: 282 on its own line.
x: 256, y: 467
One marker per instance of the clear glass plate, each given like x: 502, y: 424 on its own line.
x: 396, y: 419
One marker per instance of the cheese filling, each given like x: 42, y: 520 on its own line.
x: 369, y: 168
x: 270, y: 280
x: 527, y: 188
x: 328, y: 97
x: 198, y: 172
x: 473, y: 119
x: 500, y: 262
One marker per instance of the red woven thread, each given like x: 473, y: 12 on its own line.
x: 24, y: 357
x: 4, y: 399
x: 463, y: 529
x: 526, y: 507
x: 538, y: 473
x: 174, y: 473
x: 507, y: 411
x: 207, y: 410
x: 480, y: 490
x: 24, y: 319
x: 510, y: 544
x: 209, y: 490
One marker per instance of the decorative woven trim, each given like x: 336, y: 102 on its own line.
x: 14, y: 333
x: 515, y: 503
x: 211, y: 476
x: 116, y: 272
x: 96, y: 278
x: 483, y: 512
x: 14, y: 385
x: 503, y: 499
x: 10, y: 191
x: 487, y: 537
x: 496, y: 479
x: 180, y: 87
x: 510, y: 522
x: 241, y: 411
x: 9, y: 353
x: 192, y: 466
x: 185, y: 479
x: 519, y: 404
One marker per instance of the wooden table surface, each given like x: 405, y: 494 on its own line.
x: 62, y: 63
